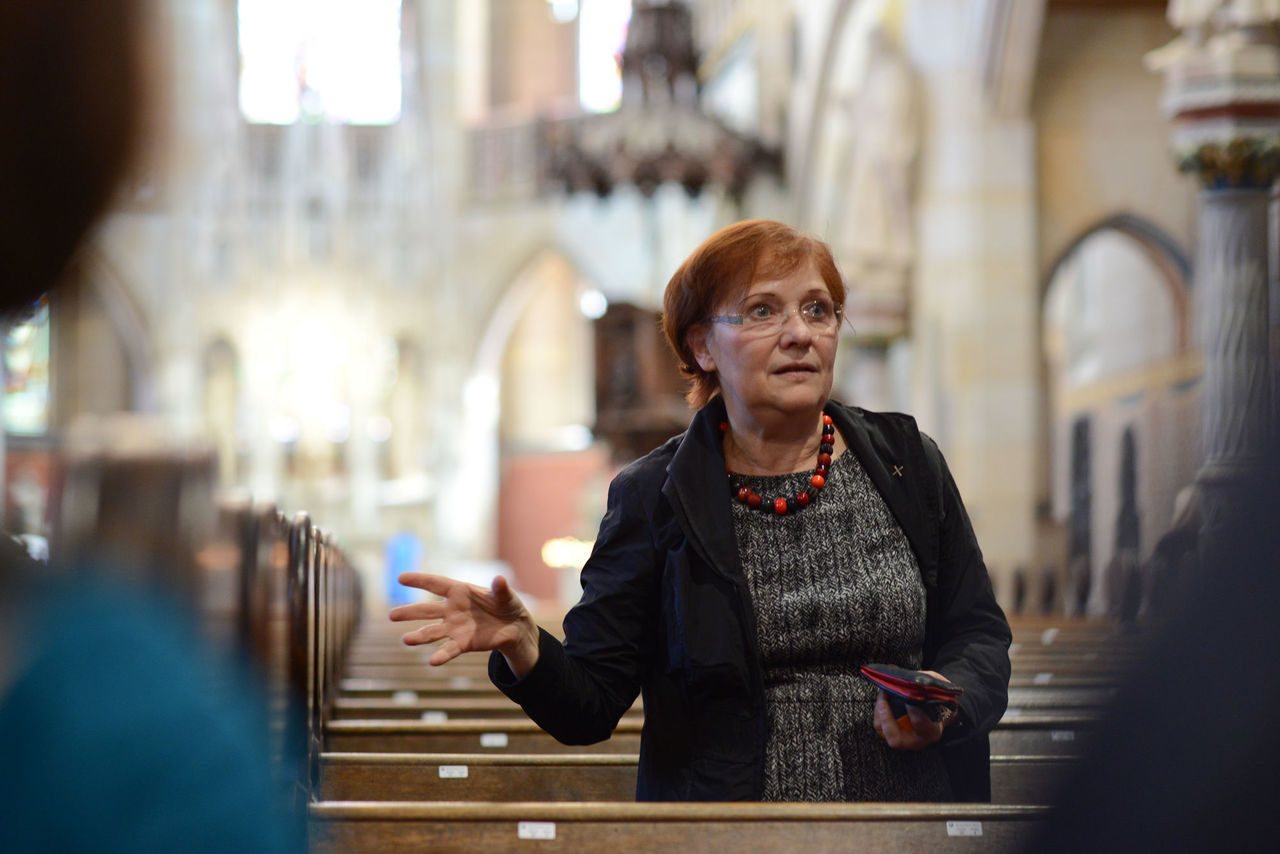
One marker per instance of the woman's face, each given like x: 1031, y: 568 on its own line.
x: 765, y: 373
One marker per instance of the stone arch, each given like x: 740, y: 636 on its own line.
x: 1161, y: 249
x: 470, y: 535
x: 534, y: 374
x: 1116, y: 350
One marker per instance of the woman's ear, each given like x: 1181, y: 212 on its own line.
x: 698, y: 345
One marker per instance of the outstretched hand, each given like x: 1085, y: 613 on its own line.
x: 470, y: 619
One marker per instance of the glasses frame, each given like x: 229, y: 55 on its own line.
x: 738, y: 321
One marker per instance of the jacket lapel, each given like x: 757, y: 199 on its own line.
x: 696, y: 488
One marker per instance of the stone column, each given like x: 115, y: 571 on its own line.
x: 1223, y: 93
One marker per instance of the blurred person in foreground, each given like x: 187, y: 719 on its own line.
x: 119, y: 729
x: 1186, y: 757
x: 746, y: 569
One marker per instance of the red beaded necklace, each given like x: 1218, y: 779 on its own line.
x: 781, y: 506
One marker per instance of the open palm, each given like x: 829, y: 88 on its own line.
x: 469, y: 618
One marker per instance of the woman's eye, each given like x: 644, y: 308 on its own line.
x: 816, y: 310
x: 760, y: 312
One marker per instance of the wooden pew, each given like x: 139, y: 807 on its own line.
x: 466, y: 736
x: 325, y: 606
x: 446, y: 704
x: 436, y: 706
x: 353, y: 826
x: 1027, y: 734
x: 575, y: 777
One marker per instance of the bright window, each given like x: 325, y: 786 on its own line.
x: 26, y: 374
x: 602, y: 30
x: 320, y: 60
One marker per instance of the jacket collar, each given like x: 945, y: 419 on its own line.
x: 893, y: 459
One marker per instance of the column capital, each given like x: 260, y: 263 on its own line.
x: 1222, y: 90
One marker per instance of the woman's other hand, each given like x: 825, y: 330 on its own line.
x: 922, y: 733
x: 471, y: 619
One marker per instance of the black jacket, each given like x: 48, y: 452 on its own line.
x: 665, y: 610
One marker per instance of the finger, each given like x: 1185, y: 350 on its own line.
x: 927, y: 730
x: 418, y: 611
x: 447, y: 652
x: 424, y: 635
x: 433, y: 610
x: 504, y: 597
x: 501, y: 589
x: 887, y: 727
x: 436, y: 584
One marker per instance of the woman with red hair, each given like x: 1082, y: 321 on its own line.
x: 747, y: 569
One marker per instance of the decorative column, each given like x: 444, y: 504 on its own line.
x: 1223, y: 92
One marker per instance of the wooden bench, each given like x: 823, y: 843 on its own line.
x: 576, y: 777
x: 436, y: 706
x: 354, y: 826
x: 1025, y: 734
x: 447, y: 704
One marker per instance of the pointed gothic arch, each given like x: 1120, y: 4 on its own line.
x: 1116, y: 353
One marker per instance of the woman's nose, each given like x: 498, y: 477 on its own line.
x: 795, y: 328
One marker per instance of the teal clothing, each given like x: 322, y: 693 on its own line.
x: 120, y: 732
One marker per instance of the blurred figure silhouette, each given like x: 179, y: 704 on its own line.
x: 119, y: 729
x: 1188, y: 758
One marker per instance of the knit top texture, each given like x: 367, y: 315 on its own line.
x: 834, y: 585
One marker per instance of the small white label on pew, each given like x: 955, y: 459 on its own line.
x: 404, y: 698
x: 461, y: 682
x: 493, y: 739
x: 453, y: 772
x: 435, y: 717
x: 1063, y: 735
x: 1049, y: 636
x: 536, y: 830
x: 1042, y: 678
x: 964, y: 828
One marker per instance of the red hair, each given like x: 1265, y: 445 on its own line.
x: 724, y: 266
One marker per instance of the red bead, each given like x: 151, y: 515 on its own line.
x: 779, y: 506
x: 818, y: 481
x: 824, y: 459
x: 802, y: 498
x: 753, y: 500
x: 744, y: 494
x: 826, y: 420
x: 724, y: 426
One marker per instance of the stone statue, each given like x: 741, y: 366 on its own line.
x: 875, y: 239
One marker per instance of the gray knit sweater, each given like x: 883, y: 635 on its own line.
x: 834, y: 585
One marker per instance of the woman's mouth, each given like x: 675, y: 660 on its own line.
x: 795, y: 369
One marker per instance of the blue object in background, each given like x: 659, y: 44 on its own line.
x: 404, y: 551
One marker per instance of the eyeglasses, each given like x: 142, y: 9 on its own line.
x: 764, y: 318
